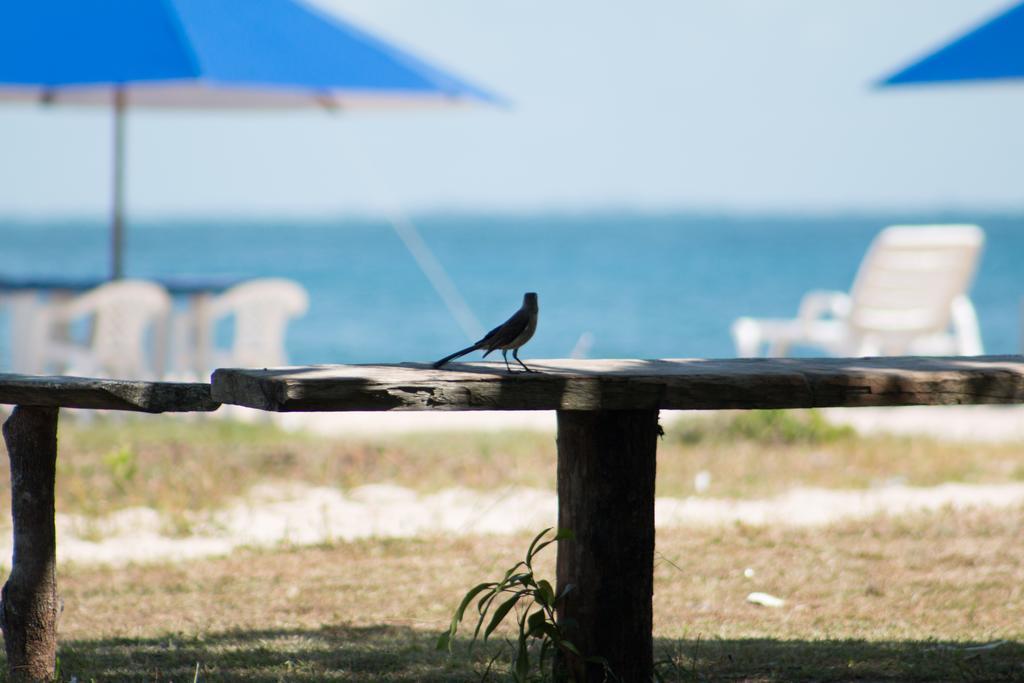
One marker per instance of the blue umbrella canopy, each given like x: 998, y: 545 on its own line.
x: 199, y: 53
x: 204, y: 54
x: 991, y: 51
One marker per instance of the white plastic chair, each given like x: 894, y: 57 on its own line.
x: 261, y: 309
x: 27, y: 320
x: 119, y: 315
x: 909, y: 298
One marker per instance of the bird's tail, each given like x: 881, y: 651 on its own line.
x: 455, y: 355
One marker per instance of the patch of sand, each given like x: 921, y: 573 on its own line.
x: 955, y: 423
x: 382, y: 423
x: 983, y: 424
x: 301, y: 515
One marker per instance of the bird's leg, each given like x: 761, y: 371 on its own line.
x: 504, y: 354
x: 515, y: 354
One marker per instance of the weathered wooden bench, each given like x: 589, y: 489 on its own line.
x: 29, y: 606
x: 607, y: 437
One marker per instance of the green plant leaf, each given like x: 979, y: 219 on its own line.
x: 476, y: 590
x: 485, y: 601
x: 549, y: 631
x: 476, y: 631
x: 445, y: 641
x: 545, y: 593
x: 483, y: 606
x: 562, y: 535
x: 534, y: 622
x: 522, y: 661
x: 519, y: 582
x: 533, y: 545
x: 545, y: 648
x: 508, y: 575
x: 500, y: 613
x: 523, y: 579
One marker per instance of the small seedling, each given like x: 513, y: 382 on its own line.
x: 533, y: 603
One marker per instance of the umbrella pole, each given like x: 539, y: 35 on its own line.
x: 117, y: 219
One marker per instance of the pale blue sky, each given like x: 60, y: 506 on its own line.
x: 704, y: 105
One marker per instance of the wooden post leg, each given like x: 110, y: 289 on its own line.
x: 606, y: 466
x: 29, y: 606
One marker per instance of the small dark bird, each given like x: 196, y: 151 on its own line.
x: 509, y: 335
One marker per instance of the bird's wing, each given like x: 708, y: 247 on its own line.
x: 486, y: 339
x: 507, y: 332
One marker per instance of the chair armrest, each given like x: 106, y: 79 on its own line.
x: 821, y: 303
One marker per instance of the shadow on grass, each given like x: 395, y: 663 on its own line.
x: 401, y: 653
x: 837, y: 660
x: 334, y: 653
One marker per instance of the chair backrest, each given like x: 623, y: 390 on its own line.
x: 911, y: 275
x: 262, y: 309
x: 122, y: 312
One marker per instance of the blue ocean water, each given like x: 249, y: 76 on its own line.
x: 642, y: 284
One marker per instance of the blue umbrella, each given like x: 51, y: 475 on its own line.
x: 992, y: 51
x: 204, y: 54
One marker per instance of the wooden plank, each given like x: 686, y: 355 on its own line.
x: 678, y: 384
x: 105, y: 394
x: 606, y: 467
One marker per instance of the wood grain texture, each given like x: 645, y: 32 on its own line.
x: 29, y: 606
x: 678, y: 384
x: 606, y: 469
x: 106, y: 394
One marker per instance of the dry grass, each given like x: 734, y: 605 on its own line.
x: 177, y: 465
x: 873, y: 600
x: 876, y: 600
